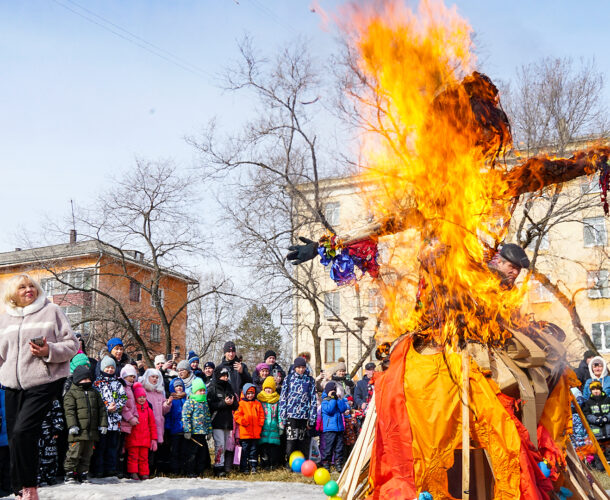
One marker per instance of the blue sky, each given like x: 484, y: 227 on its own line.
x: 78, y: 103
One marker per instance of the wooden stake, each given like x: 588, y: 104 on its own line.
x: 592, y: 437
x: 465, y: 426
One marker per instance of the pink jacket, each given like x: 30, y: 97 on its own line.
x: 19, y: 369
x: 157, y: 401
x: 129, y: 410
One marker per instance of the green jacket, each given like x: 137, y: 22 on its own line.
x: 84, y: 409
x: 271, y: 427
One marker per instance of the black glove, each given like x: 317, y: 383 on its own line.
x: 302, y: 253
x: 599, y: 421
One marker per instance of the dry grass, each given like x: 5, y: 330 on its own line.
x: 603, y: 478
x: 281, y: 475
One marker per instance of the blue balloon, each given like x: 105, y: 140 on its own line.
x: 425, y: 495
x: 297, y: 463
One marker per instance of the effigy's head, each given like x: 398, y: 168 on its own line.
x: 434, y: 131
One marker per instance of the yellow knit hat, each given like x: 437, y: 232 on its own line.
x: 269, y: 382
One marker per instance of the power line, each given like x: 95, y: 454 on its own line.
x: 134, y: 39
x: 292, y: 30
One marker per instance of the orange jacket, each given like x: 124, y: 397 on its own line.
x: 250, y: 416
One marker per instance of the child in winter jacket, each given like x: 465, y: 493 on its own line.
x: 196, y: 423
x: 597, y: 411
x: 269, y: 443
x: 48, y: 457
x: 173, y: 426
x: 142, y: 436
x: 222, y: 402
x: 332, y: 422
x: 298, y: 408
x: 86, y: 418
x: 250, y: 416
x: 114, y: 397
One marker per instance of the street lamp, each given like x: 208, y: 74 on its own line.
x: 360, y: 321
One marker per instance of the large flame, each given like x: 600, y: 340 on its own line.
x: 427, y: 149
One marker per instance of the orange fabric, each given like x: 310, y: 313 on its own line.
x: 250, y: 416
x: 556, y: 417
x: 391, y: 467
x: 534, y: 486
x: 432, y: 388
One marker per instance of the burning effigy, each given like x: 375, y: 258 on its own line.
x: 471, y: 379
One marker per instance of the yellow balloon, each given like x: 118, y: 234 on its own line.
x: 293, y: 455
x: 321, y: 476
x: 334, y: 498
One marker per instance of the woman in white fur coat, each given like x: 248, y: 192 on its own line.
x: 36, y: 345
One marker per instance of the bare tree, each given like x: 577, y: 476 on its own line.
x: 556, y: 106
x: 146, y: 228
x: 276, y: 167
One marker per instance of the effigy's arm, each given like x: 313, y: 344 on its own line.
x: 540, y: 172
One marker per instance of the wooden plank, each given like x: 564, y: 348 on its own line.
x: 592, y: 437
x: 465, y: 426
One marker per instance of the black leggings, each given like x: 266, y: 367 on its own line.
x: 25, y: 410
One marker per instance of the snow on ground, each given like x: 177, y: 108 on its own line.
x: 162, y: 488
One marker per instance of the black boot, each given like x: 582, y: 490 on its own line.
x: 253, y: 465
x: 219, y: 472
x: 71, y: 478
x: 82, y: 477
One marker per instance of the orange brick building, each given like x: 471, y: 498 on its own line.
x: 99, y: 269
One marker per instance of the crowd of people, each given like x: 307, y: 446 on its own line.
x: 113, y: 416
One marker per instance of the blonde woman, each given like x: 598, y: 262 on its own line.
x: 36, y: 345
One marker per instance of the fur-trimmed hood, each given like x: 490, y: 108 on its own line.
x: 598, y: 359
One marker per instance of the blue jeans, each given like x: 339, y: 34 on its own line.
x: 248, y: 454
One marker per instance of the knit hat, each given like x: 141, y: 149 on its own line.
x: 106, y: 362
x: 113, y: 342
x: 81, y: 373
x: 128, y: 370
x: 299, y: 362
x: 197, y: 385
x: 262, y: 366
x: 339, y: 366
x: 596, y: 384
x: 330, y: 386
x: 184, y: 365
x: 176, y: 381
x: 193, y: 358
x: 209, y: 364
x: 192, y: 354
x: 369, y: 366
x: 160, y: 358
x: 229, y: 346
x: 138, y: 390
x: 248, y: 387
x: 223, y: 371
x: 269, y: 382
x: 270, y: 353
x: 79, y: 360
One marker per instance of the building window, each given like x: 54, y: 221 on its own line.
x: 595, y: 232
x: 600, y: 333
x: 155, y: 333
x: 75, y: 316
x: 590, y: 185
x: 376, y: 301
x: 332, y: 304
x: 539, y: 293
x: 331, y: 213
x: 134, y: 291
x: 332, y: 350
x: 597, y: 283
x: 81, y: 279
x: 161, y: 294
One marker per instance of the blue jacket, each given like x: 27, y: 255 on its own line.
x: 298, y: 399
x: 173, y: 420
x: 605, y: 386
x: 3, y: 435
x: 332, y: 413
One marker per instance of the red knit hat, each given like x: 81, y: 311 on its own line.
x: 138, y: 390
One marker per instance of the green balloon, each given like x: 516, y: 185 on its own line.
x: 331, y: 488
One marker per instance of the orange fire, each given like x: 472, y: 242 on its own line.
x: 426, y: 150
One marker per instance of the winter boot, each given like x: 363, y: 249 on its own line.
x: 134, y: 476
x: 82, y: 477
x: 228, y: 461
x: 71, y: 478
x: 219, y: 472
x: 253, y: 464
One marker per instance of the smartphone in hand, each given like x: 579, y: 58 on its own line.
x: 39, y: 341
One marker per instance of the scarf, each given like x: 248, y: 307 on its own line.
x: 200, y: 398
x: 263, y: 397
